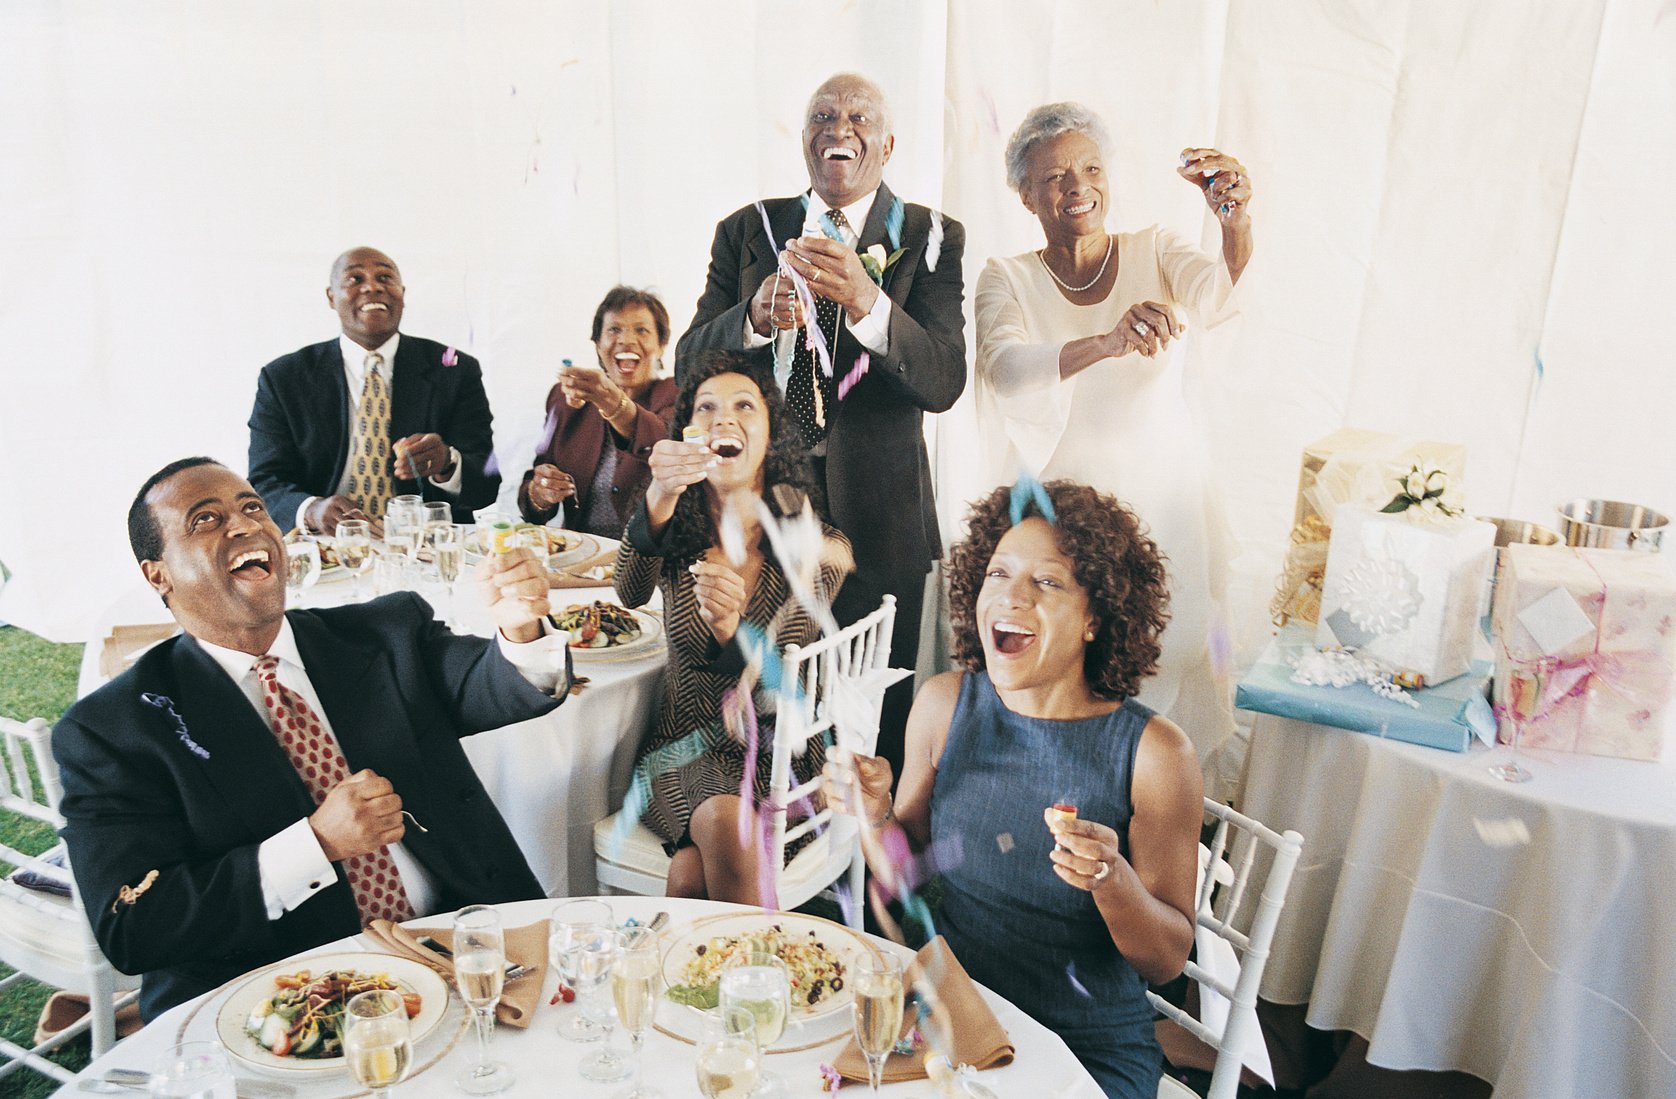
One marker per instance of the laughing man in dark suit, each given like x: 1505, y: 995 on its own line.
x: 304, y: 424
x: 869, y: 442
x: 241, y: 793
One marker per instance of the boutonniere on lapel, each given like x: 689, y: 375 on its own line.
x: 877, y: 263
x: 167, y: 705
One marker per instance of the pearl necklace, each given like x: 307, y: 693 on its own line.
x: 1041, y: 254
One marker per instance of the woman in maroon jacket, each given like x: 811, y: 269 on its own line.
x: 603, y: 419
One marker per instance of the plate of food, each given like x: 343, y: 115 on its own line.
x: 331, y: 566
x: 288, y: 1018
x: 607, y: 630
x: 563, y: 548
x: 819, y: 957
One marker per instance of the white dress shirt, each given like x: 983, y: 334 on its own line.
x: 354, y: 372
x: 291, y: 864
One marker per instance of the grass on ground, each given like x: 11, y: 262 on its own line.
x: 37, y: 679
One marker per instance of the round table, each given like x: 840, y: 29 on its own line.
x: 551, y: 778
x: 1521, y: 933
x: 547, y: 1065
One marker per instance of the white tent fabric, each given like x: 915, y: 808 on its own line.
x: 1462, y: 220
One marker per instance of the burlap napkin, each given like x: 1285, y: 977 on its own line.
x: 977, y: 1036
x: 526, y: 946
x: 571, y: 575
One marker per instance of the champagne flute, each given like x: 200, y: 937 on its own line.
x: 634, y: 987
x: 302, y: 568
x: 877, y: 984
x: 729, y: 1062
x: 354, y: 546
x: 448, y: 549
x: 193, y: 1070
x: 1524, y: 690
x: 479, y: 971
x: 758, y: 982
x: 572, y: 929
x: 376, y: 1040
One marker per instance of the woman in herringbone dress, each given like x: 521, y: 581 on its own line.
x: 704, y: 501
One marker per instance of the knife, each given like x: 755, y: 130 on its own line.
x: 513, y: 972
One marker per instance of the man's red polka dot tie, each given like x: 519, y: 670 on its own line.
x: 373, y: 879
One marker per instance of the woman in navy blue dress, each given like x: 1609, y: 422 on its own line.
x: 1056, y: 621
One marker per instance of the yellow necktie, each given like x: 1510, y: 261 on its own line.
x: 369, y: 442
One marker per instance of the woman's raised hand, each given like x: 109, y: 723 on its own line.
x: 1147, y: 327
x: 867, y: 777
x: 1221, y: 178
x: 676, y: 464
x: 589, y: 386
x: 1085, y: 852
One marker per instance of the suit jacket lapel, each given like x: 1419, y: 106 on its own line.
x: 219, y: 718
x: 413, y: 376
x: 874, y: 231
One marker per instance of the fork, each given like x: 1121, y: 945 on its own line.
x: 513, y: 972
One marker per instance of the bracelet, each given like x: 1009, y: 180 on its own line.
x: 624, y: 405
x: 889, y: 815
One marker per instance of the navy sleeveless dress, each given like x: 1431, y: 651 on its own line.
x: 1011, y: 921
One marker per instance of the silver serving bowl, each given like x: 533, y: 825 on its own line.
x: 1612, y: 524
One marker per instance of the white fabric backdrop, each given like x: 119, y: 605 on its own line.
x: 1447, y: 193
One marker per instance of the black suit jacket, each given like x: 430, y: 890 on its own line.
x: 194, y: 798
x: 878, y: 478
x: 300, y: 424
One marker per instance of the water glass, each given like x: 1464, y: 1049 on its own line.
x: 193, y: 1070
x: 479, y: 972
x: 729, y: 1061
x: 376, y: 1040
x: 575, y: 929
x: 403, y: 525
x: 758, y: 982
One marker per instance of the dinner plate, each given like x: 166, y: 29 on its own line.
x: 564, y: 547
x: 409, y: 975
x: 807, y: 1027
x: 651, y: 631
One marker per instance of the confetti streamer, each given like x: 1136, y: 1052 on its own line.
x: 894, y: 218
x: 934, y: 241
x: 1027, y: 491
x: 814, y: 335
x: 857, y: 372
x: 450, y: 357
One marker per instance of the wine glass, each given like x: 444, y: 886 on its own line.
x: 479, y: 971
x: 634, y: 988
x: 877, y: 985
x: 354, y: 546
x: 729, y: 1061
x: 376, y: 1040
x: 403, y: 525
x: 574, y: 928
x: 759, y: 982
x: 448, y: 550
x: 1524, y: 690
x: 593, y: 953
x: 302, y: 567
x: 193, y: 1070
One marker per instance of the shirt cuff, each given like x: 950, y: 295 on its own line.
x: 452, y: 485
x: 873, y: 330
x: 544, y: 663
x: 752, y: 339
x: 302, y: 511
x: 292, y: 868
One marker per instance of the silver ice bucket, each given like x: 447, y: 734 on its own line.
x: 1517, y: 532
x: 1612, y: 524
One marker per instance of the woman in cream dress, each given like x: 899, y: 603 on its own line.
x: 1080, y: 375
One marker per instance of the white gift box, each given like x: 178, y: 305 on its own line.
x: 1406, y: 589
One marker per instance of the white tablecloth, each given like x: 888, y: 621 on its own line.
x: 551, y: 778
x: 1522, y: 933
x: 546, y: 1065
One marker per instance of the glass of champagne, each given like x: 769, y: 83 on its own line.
x: 193, y: 1070
x: 635, y: 983
x: 479, y: 971
x: 729, y: 1062
x: 758, y: 982
x: 354, y: 546
x: 1524, y: 689
x: 376, y: 1040
x: 574, y: 928
x: 302, y: 567
x: 877, y: 985
x: 448, y: 549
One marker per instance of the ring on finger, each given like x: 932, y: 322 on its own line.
x: 1105, y: 869
x: 1142, y: 328
x: 815, y: 275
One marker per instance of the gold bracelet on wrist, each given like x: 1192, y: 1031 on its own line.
x: 624, y: 405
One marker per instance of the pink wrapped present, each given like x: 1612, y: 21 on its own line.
x: 1586, y: 649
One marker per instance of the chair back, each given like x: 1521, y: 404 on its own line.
x: 1247, y: 873
x: 29, y: 784
x: 835, y: 685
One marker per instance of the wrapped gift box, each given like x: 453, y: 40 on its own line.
x: 1591, y: 636
x: 1406, y: 589
x: 1351, y: 466
x: 1449, y: 716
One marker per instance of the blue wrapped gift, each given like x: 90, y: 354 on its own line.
x: 1449, y: 717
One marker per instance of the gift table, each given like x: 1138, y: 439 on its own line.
x: 547, y: 1065
x: 1521, y: 933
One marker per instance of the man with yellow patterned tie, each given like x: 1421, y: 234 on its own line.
x: 340, y: 427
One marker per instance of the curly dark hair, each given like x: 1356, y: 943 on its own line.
x: 1115, y: 562
x: 692, y: 529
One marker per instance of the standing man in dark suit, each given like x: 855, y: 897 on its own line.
x: 335, y: 420
x: 242, y: 792
x: 869, y: 442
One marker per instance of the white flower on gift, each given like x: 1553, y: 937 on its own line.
x: 1415, y: 483
x: 1436, y: 482
x: 1381, y: 595
x: 1431, y: 509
